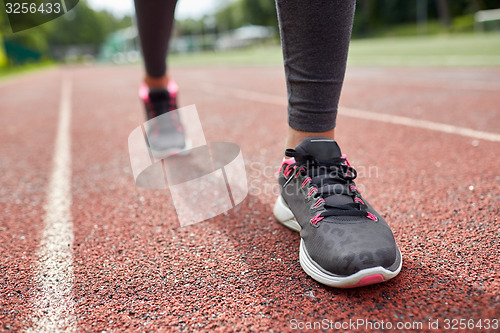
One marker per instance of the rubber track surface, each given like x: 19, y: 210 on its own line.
x: 136, y: 269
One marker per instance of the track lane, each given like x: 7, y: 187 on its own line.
x: 135, y: 269
x: 28, y: 120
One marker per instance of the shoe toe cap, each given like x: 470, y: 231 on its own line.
x: 345, y: 249
x: 165, y: 141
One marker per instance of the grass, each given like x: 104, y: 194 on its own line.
x: 7, y: 72
x: 439, y: 50
x: 258, y: 55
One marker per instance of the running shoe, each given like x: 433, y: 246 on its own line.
x: 344, y: 242
x: 165, y: 132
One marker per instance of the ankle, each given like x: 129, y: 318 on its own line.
x: 156, y: 82
x: 294, y: 137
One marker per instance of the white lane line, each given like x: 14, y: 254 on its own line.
x: 54, y: 307
x: 419, y: 123
x: 361, y: 114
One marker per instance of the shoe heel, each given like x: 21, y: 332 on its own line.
x: 284, y: 215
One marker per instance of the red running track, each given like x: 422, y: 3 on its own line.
x: 133, y: 268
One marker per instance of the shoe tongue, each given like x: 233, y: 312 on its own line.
x: 320, y: 148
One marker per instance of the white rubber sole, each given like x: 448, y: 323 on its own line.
x: 284, y: 215
x: 362, y: 278
x: 173, y: 152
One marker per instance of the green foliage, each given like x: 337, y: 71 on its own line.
x: 230, y: 17
x: 373, y: 17
x: 7, y: 72
x: 259, y: 12
x: 190, y: 27
x: 463, y: 23
x: 33, y: 39
x: 379, y: 17
x: 80, y: 26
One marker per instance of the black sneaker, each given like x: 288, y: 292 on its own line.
x: 165, y: 133
x: 345, y: 242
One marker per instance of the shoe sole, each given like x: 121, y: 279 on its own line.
x: 364, y: 277
x: 172, y: 151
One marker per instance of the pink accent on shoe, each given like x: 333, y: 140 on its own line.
x: 287, y: 171
x: 316, y: 219
x: 371, y: 216
x: 311, y: 191
x: 172, y: 88
x: 353, y: 188
x: 367, y: 280
x: 144, y: 92
x: 288, y: 162
x: 319, y: 202
x: 302, y: 168
x: 345, y: 158
x: 307, y: 180
x: 359, y: 200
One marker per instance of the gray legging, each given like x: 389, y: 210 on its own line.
x: 315, y: 37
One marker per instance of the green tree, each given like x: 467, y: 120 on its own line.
x: 80, y: 26
x: 260, y: 12
x: 230, y: 17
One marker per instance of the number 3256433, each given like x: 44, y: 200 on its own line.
x: 32, y: 8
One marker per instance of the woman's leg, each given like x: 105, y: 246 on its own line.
x: 344, y: 241
x: 315, y: 38
x: 154, y: 21
x: 164, y: 130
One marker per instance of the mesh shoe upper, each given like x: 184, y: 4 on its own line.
x: 343, y: 234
